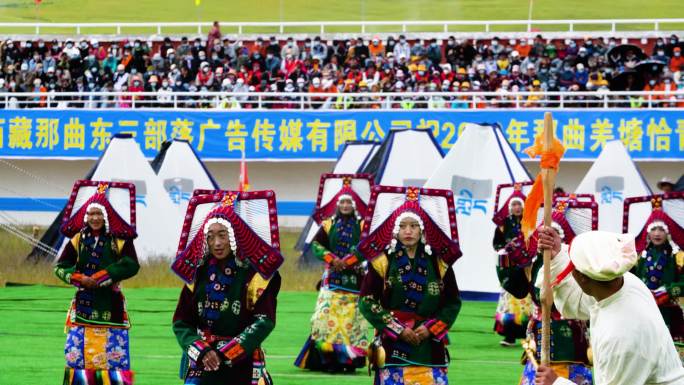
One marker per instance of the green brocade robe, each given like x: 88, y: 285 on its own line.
x: 324, y: 246
x: 105, y: 305
x: 247, y: 317
x: 382, y: 298
x: 661, y: 270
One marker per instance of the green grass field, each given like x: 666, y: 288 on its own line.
x: 32, y: 319
x: 351, y: 10
x: 32, y: 340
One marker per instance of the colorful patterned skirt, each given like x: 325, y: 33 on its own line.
x: 97, y: 356
x: 339, y: 334
x: 411, y: 375
x: 512, y: 315
x: 578, y: 373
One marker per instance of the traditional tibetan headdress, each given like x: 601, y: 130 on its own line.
x: 335, y: 187
x: 517, y: 193
x: 642, y: 214
x: 116, y: 200
x: 432, y: 208
x: 572, y: 215
x: 252, y: 222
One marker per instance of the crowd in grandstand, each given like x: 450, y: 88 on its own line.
x: 358, y: 65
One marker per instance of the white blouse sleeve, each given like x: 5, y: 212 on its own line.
x: 569, y: 299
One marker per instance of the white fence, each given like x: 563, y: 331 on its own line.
x: 344, y: 101
x: 612, y: 26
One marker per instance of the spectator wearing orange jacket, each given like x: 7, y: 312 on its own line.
x: 523, y: 48
x: 376, y: 48
x: 677, y: 61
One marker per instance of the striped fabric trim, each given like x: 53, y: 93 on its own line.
x: 75, y: 279
x: 437, y: 328
x: 233, y: 351
x: 102, y: 278
x: 393, y: 329
x: 97, y: 377
x: 328, y: 258
x: 197, y: 349
x: 351, y: 260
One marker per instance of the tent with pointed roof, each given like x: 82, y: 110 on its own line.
x: 406, y: 157
x: 480, y: 160
x: 181, y: 172
x: 158, y: 227
x: 613, y: 178
x: 354, y: 156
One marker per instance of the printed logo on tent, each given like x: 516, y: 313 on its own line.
x: 610, y: 189
x: 179, y: 189
x: 471, y: 194
x: 140, y: 190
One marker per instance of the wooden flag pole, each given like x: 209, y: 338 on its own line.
x: 549, y: 181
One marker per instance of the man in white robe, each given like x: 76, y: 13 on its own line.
x: 630, y: 342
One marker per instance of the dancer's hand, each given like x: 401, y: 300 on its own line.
x: 211, y: 361
x: 545, y: 375
x: 422, y: 332
x: 549, y: 240
x: 408, y: 335
x: 338, y: 265
x: 88, y: 282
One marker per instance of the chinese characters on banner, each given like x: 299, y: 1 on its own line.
x: 306, y: 135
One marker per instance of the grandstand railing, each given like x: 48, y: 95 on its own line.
x: 344, y: 101
x: 575, y: 25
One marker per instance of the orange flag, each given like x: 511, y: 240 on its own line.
x: 549, y: 160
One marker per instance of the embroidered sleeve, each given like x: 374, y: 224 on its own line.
x: 263, y: 322
x: 674, y: 289
x: 499, y: 240
x: 351, y: 259
x: 185, y: 321
x: 450, y: 307
x: 321, y: 246
x: 369, y: 305
x: 196, y: 351
x: 126, y: 267
x: 65, y: 269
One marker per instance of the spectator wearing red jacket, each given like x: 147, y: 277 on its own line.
x: 205, y: 77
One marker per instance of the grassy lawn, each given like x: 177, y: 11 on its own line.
x: 32, y: 340
x: 32, y: 319
x: 349, y: 10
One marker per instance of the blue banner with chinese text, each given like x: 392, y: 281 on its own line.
x: 313, y: 135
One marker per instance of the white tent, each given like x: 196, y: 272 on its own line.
x: 354, y: 156
x: 480, y: 160
x: 612, y: 178
x: 405, y: 158
x: 181, y: 172
x: 157, y: 225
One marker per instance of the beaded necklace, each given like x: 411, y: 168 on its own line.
x: 413, y: 279
x: 219, y: 283
x: 93, y: 251
x: 655, y: 264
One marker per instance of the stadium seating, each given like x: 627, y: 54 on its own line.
x: 364, y: 64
